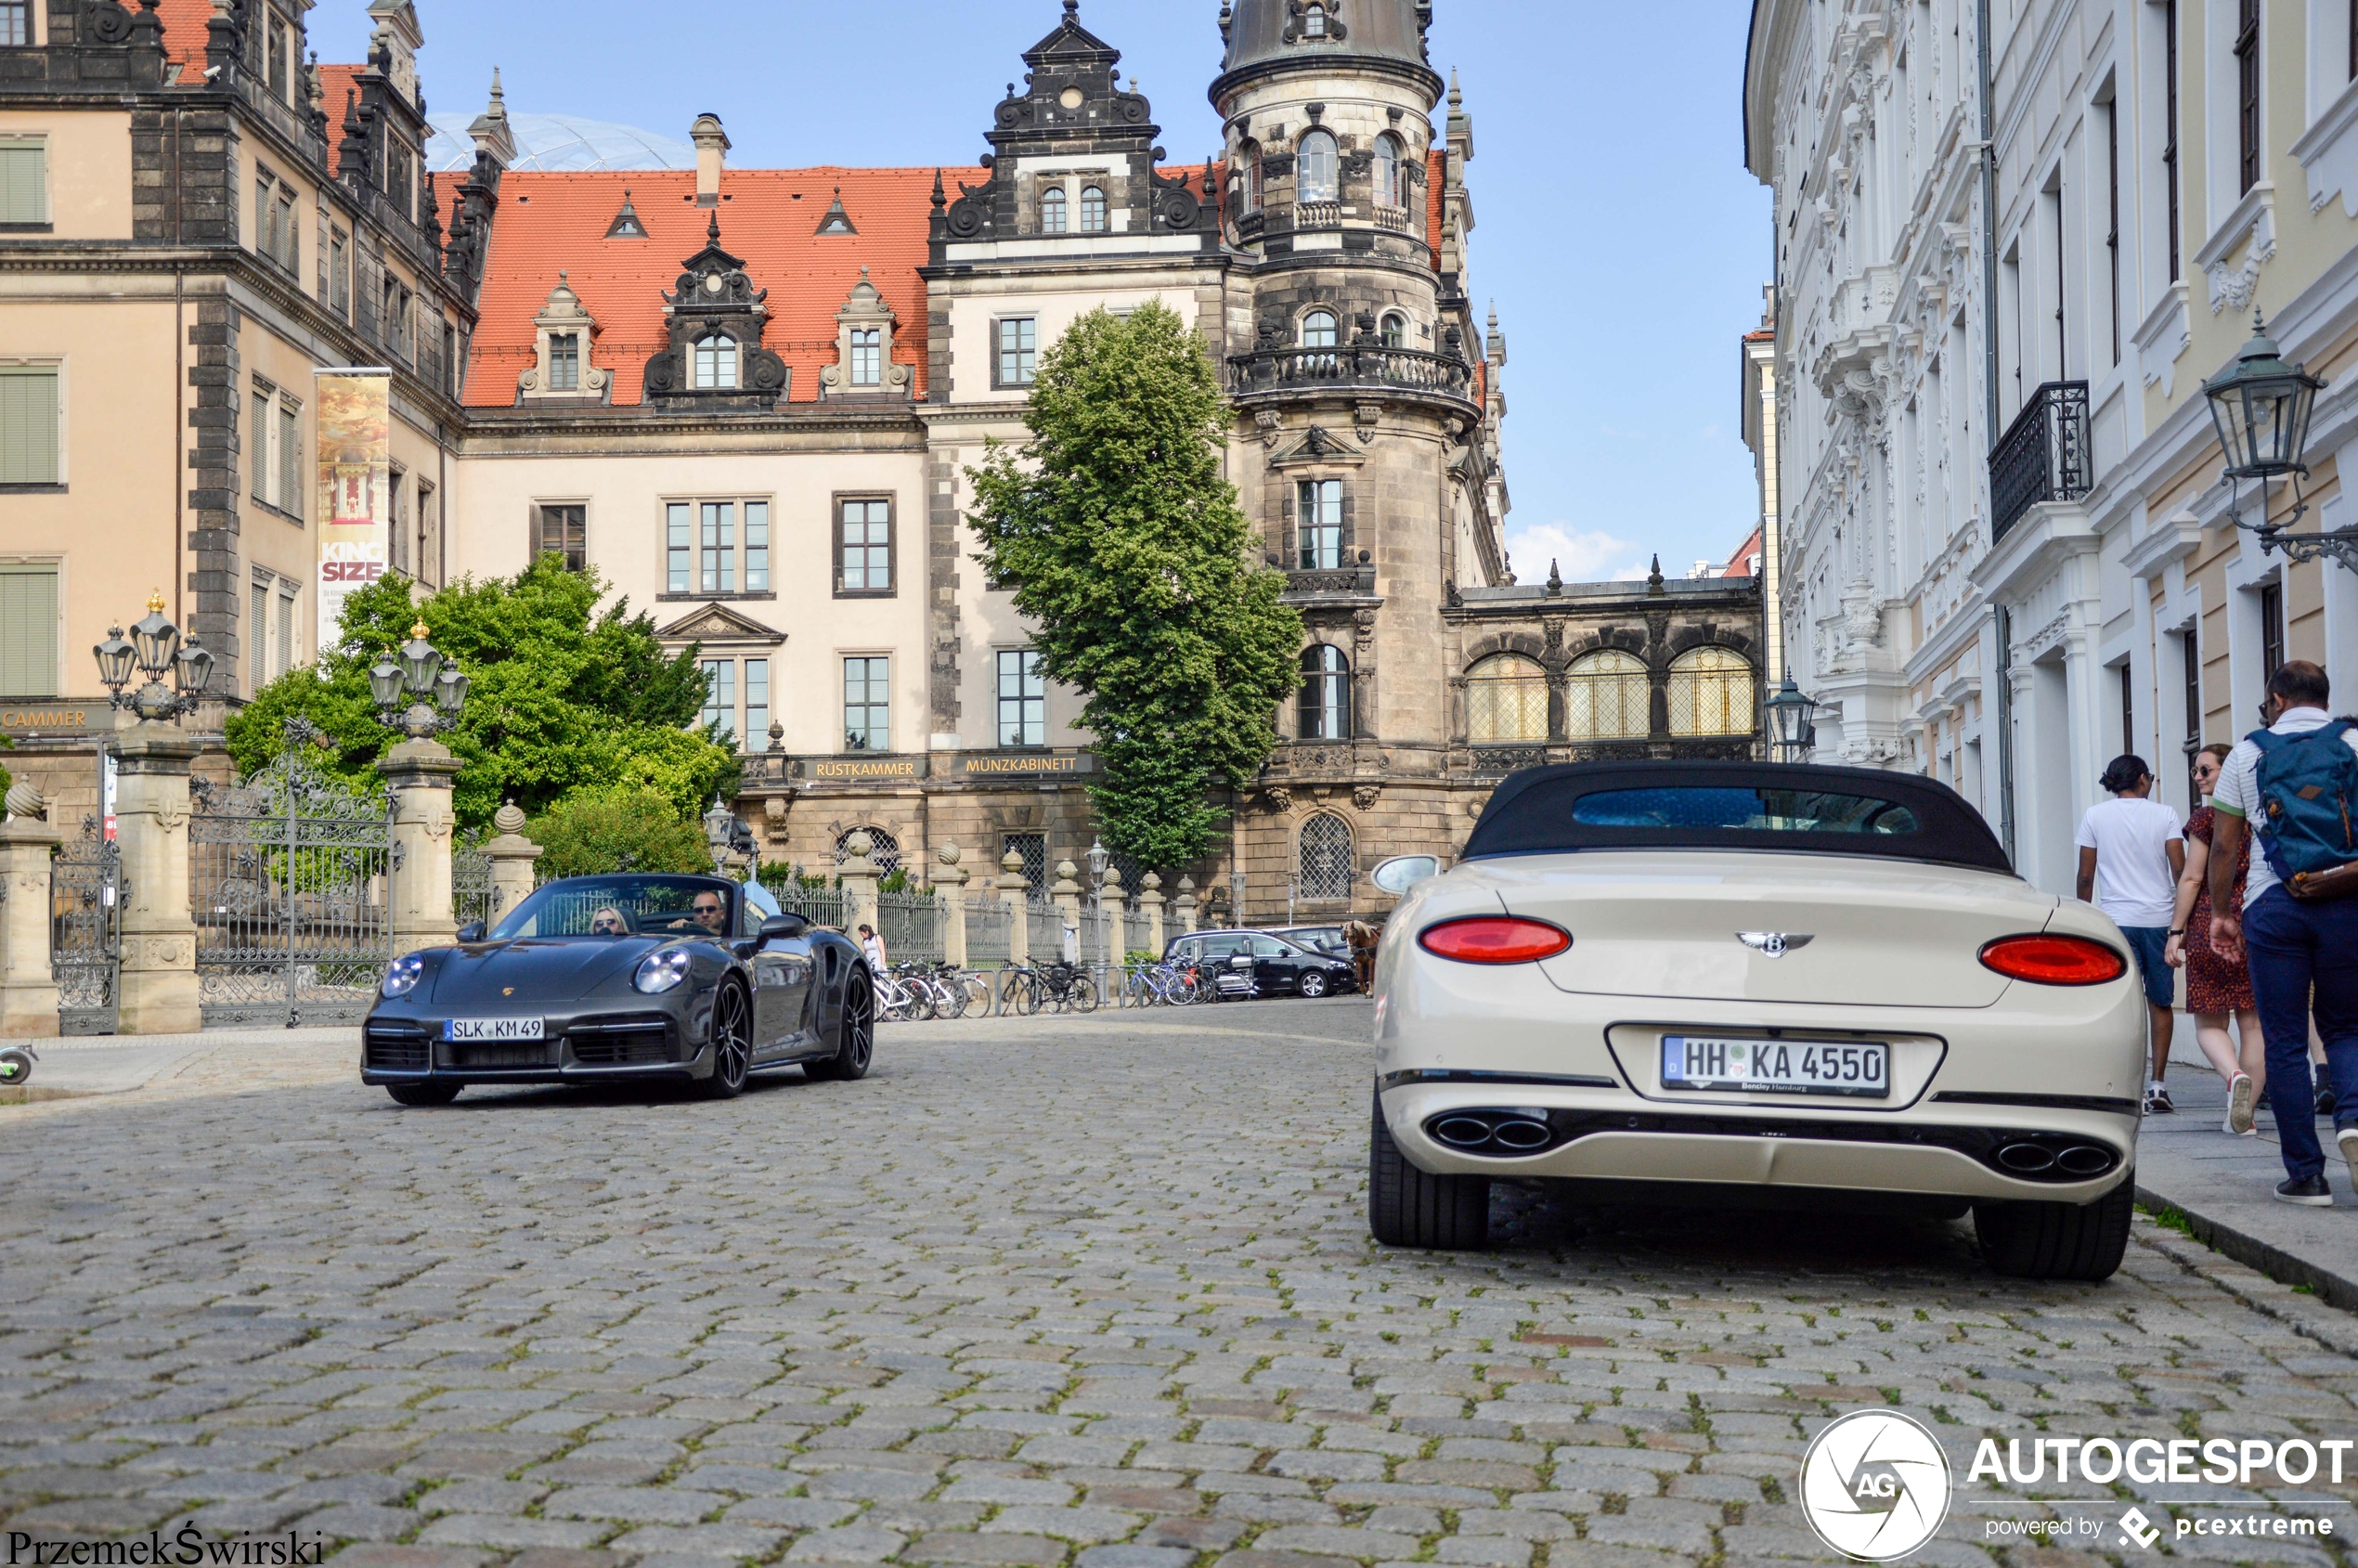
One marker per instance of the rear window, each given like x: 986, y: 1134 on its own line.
x: 1734, y: 805
x: 1745, y: 810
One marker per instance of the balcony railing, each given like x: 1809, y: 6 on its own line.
x: 2043, y: 457
x: 1317, y: 214
x: 1393, y: 218
x: 1357, y: 582
x: 1320, y: 369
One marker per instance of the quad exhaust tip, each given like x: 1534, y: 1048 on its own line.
x: 1498, y: 1133
x: 2073, y: 1162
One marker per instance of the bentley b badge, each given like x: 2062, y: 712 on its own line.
x: 1773, y: 944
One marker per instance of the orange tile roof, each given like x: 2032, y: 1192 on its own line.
x: 337, y: 83
x: 1436, y: 176
x: 184, y: 31
x: 771, y: 217
x: 1739, y: 565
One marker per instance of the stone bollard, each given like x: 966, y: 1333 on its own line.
x: 1066, y: 892
x: 418, y: 910
x: 1014, y: 891
x: 861, y: 874
x: 1150, y: 900
x: 157, y: 994
x: 511, y: 856
x: 27, y: 987
x: 950, y: 891
x: 1113, y: 927
x: 1187, y: 906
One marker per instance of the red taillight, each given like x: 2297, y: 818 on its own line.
x: 2055, y: 959
x: 1495, y: 938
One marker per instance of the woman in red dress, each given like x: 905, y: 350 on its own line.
x: 2216, y: 988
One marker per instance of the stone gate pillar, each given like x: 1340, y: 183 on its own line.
x: 1014, y: 891
x: 419, y: 907
x: 859, y: 875
x: 1187, y: 906
x: 28, y: 988
x: 1150, y: 900
x: 511, y: 856
x: 158, y: 991
x: 949, y: 890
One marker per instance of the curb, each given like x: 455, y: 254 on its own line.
x: 2273, y: 1260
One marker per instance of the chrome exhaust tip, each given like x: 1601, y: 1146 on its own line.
x: 1461, y: 1131
x: 2085, y: 1160
x: 1523, y: 1137
x: 2026, y: 1160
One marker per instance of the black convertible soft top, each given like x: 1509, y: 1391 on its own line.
x: 1780, y: 806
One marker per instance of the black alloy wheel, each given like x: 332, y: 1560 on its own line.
x: 855, y: 1039
x: 422, y: 1094
x: 1313, y: 984
x: 732, y: 1043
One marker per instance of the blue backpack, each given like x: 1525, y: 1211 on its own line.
x: 2308, y: 799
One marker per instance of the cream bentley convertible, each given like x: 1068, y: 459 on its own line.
x: 1736, y: 983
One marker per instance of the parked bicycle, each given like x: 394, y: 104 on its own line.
x: 1024, y: 990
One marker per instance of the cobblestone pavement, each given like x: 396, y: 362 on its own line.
x: 1089, y: 1291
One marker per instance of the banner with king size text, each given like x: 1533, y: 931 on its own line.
x: 355, y: 487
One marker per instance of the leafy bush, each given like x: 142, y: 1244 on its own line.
x: 592, y: 834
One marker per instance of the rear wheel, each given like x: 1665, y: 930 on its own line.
x: 1084, y: 995
x: 855, y: 1038
x: 2057, y: 1240
x: 1407, y: 1207
x: 731, y: 1045
x: 422, y: 1094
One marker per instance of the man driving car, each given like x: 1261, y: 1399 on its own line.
x: 711, y: 912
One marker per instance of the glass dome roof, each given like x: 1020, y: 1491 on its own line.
x: 558, y: 144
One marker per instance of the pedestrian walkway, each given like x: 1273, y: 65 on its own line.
x: 2223, y: 1186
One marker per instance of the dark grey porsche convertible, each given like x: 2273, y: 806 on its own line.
x: 599, y: 979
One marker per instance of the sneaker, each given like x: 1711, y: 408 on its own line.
x: 2348, y: 1139
x: 2310, y: 1192
x: 2157, y: 1101
x: 2325, y: 1102
x: 2243, y: 1097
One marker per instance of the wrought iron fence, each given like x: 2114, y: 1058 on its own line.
x: 85, y: 930
x: 288, y: 879
x: 2043, y: 457
x: 473, y: 900
x: 1047, y: 931
x: 990, y: 933
x: 821, y: 906
x: 910, y: 927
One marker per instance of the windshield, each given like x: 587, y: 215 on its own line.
x: 623, y: 906
x: 1745, y: 810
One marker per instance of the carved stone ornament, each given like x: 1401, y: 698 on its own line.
x: 105, y: 21
x: 565, y: 316
x: 1279, y: 800
x: 1273, y: 426
x: 715, y: 298
x: 865, y: 312
x: 1366, y: 796
x: 1368, y: 416
x: 25, y: 802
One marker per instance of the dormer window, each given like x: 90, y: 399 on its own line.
x: 1094, y: 219
x: 1318, y: 173
x: 1052, y: 211
x: 867, y: 357
x: 1313, y: 21
x: 1319, y: 329
x: 716, y: 365
x: 564, y: 362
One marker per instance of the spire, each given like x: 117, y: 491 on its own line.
x: 1653, y: 580
x: 490, y: 131
x: 941, y: 198
x: 1555, y: 579
x: 712, y: 228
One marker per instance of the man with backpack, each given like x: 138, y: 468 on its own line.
x: 2294, y: 786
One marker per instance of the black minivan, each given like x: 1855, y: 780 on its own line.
x: 1279, y: 967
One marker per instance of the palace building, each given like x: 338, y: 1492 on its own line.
x: 749, y: 398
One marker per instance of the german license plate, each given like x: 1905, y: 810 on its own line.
x: 495, y: 1029
x: 1777, y: 1067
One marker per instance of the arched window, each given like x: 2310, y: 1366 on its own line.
x: 1316, y: 181
x: 1093, y: 211
x: 1051, y: 210
x: 1608, y: 698
x: 1313, y: 21
x: 1248, y: 177
x: 887, y: 853
x: 1388, y: 188
x: 1711, y: 694
x: 716, y: 366
x: 1396, y: 331
x: 1319, y: 329
x: 1507, y: 701
x: 1328, y: 862
x: 1325, y: 694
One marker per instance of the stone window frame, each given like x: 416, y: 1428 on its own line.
x: 277, y: 226
x: 843, y: 696
x: 29, y: 12
x: 1383, y: 329
x: 999, y: 324
x: 1342, y: 677
x: 696, y: 364
x: 835, y: 503
x: 740, y: 557
x: 1062, y: 209
x: 1252, y: 192
x: 54, y: 568
x: 1399, y: 192
x: 1301, y: 526
x: 564, y: 315
x: 1329, y: 823
x: 866, y: 310
x: 1023, y: 699
x: 1102, y: 212
x: 1302, y: 327
x: 38, y: 143
x: 1302, y: 166
x: 339, y: 265
x: 536, y: 527
x: 51, y: 367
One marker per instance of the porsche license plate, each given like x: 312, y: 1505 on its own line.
x: 495, y: 1029
x: 1859, y: 1070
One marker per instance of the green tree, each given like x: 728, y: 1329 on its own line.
x: 1129, y: 550
x: 626, y: 830
x: 566, y: 700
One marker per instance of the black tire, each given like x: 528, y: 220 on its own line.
x: 855, y: 1037
x: 16, y: 1066
x: 1313, y: 985
x: 1084, y: 995
x: 1407, y: 1207
x: 732, y: 1043
x: 2073, y: 1241
x: 422, y: 1094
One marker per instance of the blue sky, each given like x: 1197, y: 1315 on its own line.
x: 1616, y: 229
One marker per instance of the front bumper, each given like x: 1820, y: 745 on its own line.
x: 591, y: 1047
x: 1976, y: 1091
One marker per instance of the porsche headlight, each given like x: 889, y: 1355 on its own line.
x: 402, y: 978
x: 663, y: 971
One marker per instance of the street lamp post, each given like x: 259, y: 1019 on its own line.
x: 419, y: 693
x: 719, y: 836
x: 155, y: 650
x: 2260, y: 407
x: 1791, y: 729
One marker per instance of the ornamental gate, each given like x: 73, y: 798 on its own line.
x: 85, y: 918
x: 288, y: 878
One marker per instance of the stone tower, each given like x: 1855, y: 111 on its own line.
x: 1367, y: 419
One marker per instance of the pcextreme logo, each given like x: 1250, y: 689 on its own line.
x: 1875, y: 1485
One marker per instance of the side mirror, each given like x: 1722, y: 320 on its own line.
x: 1397, y: 877
x: 785, y: 925
x: 1242, y: 961
x: 469, y: 935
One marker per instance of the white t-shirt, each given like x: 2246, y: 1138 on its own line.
x: 2131, y: 837
x: 2239, y: 790
x: 874, y: 948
